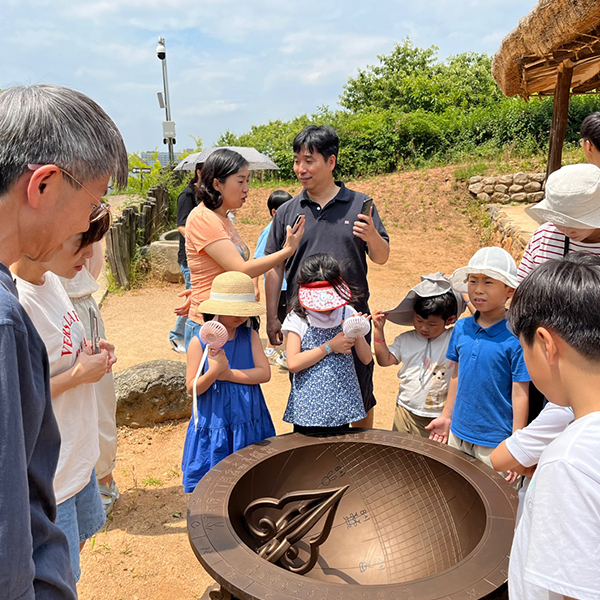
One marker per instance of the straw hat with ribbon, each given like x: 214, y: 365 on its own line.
x: 232, y: 294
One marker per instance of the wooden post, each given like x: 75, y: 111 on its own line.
x: 560, y: 114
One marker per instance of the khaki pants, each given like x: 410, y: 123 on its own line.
x: 481, y: 453
x: 408, y: 422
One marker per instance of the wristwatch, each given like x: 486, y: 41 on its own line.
x: 328, y: 349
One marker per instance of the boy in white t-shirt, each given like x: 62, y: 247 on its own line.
x: 556, y: 549
x: 430, y: 308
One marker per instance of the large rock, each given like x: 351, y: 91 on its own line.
x: 476, y: 188
x: 520, y: 197
x: 475, y: 179
x: 515, y: 189
x: 521, y: 178
x: 503, y: 189
x: 505, y: 179
x: 152, y: 392
x: 163, y: 257
x: 539, y: 177
x: 489, y: 181
x: 533, y: 186
x: 535, y: 197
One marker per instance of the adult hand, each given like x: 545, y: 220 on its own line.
x: 342, y: 344
x: 184, y: 309
x: 110, y: 348
x: 274, y: 331
x: 90, y: 368
x: 294, y: 235
x: 364, y: 228
x: 440, y: 429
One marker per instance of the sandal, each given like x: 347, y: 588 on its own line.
x: 109, y: 494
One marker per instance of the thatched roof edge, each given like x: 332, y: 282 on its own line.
x: 550, y: 25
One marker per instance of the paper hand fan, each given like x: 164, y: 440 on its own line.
x: 356, y: 326
x: 214, y: 335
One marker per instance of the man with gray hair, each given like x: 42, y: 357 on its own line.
x: 58, y: 150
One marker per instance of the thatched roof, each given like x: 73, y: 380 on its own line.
x: 555, y: 31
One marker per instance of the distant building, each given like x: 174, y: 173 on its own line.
x: 163, y: 157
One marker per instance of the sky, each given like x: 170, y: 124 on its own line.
x: 231, y: 63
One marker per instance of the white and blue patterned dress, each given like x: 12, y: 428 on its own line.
x: 327, y: 394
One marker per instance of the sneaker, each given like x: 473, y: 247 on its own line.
x: 272, y: 355
x: 281, y: 360
x: 109, y: 494
x: 178, y: 346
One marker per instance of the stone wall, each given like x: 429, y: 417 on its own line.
x: 504, y: 189
x: 506, y: 233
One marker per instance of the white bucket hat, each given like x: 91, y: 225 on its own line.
x: 494, y: 262
x: 434, y: 284
x: 572, y: 198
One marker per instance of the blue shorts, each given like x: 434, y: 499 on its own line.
x: 80, y: 517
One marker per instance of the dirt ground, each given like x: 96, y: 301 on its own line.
x: 143, y: 553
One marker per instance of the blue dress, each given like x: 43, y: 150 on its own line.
x: 231, y: 416
x: 327, y: 394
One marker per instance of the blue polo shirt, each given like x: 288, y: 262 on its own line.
x: 489, y: 360
x: 327, y: 229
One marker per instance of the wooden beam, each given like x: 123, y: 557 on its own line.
x: 560, y: 113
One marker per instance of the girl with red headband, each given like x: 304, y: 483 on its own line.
x: 325, y: 393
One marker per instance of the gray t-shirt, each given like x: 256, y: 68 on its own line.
x: 34, y: 556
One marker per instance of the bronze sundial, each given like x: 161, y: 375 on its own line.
x: 368, y: 515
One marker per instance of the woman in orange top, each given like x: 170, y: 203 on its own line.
x: 212, y: 243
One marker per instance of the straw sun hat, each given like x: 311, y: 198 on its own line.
x: 232, y: 295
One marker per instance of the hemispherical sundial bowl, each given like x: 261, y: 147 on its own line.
x: 367, y: 515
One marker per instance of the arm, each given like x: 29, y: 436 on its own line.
x: 225, y: 253
x: 88, y: 368
x: 440, y: 426
x: 256, y: 289
x: 216, y: 363
x: 382, y: 353
x: 363, y: 350
x: 273, y: 283
x: 261, y: 373
x: 181, y: 230
x: 520, y: 402
x: 299, y: 360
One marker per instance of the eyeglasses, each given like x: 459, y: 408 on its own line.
x: 98, y: 210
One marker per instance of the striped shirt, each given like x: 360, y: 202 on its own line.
x: 548, y: 243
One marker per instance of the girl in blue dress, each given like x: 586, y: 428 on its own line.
x: 232, y: 413
x: 325, y: 393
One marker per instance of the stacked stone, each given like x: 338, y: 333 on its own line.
x: 503, y: 189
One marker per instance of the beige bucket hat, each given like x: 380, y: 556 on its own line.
x: 232, y: 294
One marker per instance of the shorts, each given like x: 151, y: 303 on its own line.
x: 408, y: 422
x: 79, y: 518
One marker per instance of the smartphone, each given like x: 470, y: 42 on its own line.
x: 366, y: 207
x: 95, y: 336
x: 296, y: 220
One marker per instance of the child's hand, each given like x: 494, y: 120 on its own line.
x: 511, y: 477
x: 341, y: 344
x: 379, y: 319
x: 217, y: 360
x: 440, y: 429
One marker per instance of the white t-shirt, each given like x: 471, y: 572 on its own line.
x: 76, y: 411
x: 527, y: 444
x: 297, y: 324
x: 556, y: 548
x: 424, y: 373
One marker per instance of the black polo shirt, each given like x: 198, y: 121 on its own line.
x: 327, y: 229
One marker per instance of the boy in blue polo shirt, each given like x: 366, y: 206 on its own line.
x: 488, y: 395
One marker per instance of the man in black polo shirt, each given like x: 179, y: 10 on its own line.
x: 334, y: 224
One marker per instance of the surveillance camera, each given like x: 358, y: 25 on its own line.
x: 161, y: 51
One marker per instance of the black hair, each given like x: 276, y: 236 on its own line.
x: 444, y: 306
x: 564, y: 297
x: 321, y: 138
x: 276, y: 199
x: 321, y: 267
x: 197, y: 172
x: 96, y: 231
x: 253, y: 322
x: 590, y: 129
x: 219, y: 165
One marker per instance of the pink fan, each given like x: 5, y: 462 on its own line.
x: 214, y: 335
x: 356, y: 326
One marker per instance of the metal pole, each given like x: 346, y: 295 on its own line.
x: 167, y: 100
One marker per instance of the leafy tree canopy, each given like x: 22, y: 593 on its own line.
x: 412, y: 78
